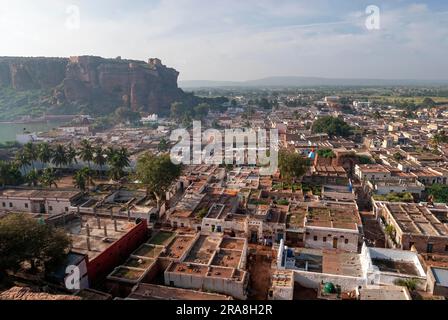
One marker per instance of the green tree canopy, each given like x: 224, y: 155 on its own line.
x: 24, y: 239
x: 292, y: 166
x: 332, y: 126
x: 157, y: 173
x: 439, y: 192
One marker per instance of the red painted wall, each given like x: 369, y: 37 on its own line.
x: 117, y: 253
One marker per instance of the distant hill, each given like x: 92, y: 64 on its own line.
x: 307, y: 82
x: 36, y: 85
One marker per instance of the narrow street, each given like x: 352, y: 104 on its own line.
x: 259, y: 267
x: 372, y: 230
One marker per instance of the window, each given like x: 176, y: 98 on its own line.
x: 346, y: 241
x: 325, y: 239
x: 429, y: 248
x: 66, y: 209
x: 26, y: 205
x: 315, y: 238
x: 10, y: 204
x: 50, y: 208
x: 446, y: 248
x: 4, y: 204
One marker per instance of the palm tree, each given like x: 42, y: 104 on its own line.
x: 44, y: 153
x: 71, y: 155
x: 59, y: 156
x: 30, y: 152
x: 118, y: 160
x: 22, y: 160
x: 86, y: 151
x: 6, y: 173
x: 98, y: 157
x: 83, y: 178
x: 32, y: 178
x: 49, y: 178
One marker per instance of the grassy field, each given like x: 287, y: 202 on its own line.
x: 417, y: 100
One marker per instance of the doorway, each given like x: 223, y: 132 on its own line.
x: 335, y: 243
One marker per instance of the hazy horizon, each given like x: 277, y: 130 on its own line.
x: 240, y: 41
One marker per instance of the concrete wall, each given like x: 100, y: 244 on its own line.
x: 313, y: 280
x: 26, y: 205
x: 231, y: 287
x: 329, y: 234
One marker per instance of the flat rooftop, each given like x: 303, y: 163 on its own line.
x: 39, y: 194
x: 227, y: 258
x: 393, y: 266
x: 341, y: 263
x: 232, y: 243
x: 441, y: 276
x: 373, y: 168
x: 416, y: 219
x: 332, y: 215
x: 178, y: 246
x: 385, y: 293
x: 330, y: 171
x: 99, y: 241
x: 282, y: 278
x: 145, y: 291
x: 203, y: 249
x: 329, y: 261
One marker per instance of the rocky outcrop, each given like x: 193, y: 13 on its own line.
x: 142, y: 86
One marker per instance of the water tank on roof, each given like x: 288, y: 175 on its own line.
x: 329, y: 288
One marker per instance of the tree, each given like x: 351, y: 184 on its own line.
x: 24, y: 239
x: 292, y: 166
x: 163, y: 145
x: 439, y: 193
x: 59, y: 156
x: 22, y: 160
x: 157, y: 173
x: 32, y: 178
x: 49, y: 178
x: 332, y: 126
x: 44, y: 153
x: 99, y: 157
x: 9, y: 174
x: 83, y: 178
x: 31, y: 153
x: 201, y: 110
x: 398, y: 156
x: 71, y: 155
x: 86, y: 152
x: 326, y: 153
x: 124, y: 114
x: 428, y: 103
x: 118, y: 159
x: 439, y: 138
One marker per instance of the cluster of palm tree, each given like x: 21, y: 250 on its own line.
x: 60, y: 156
x: 47, y: 178
x: 9, y: 174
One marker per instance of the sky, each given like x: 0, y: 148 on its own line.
x: 240, y: 39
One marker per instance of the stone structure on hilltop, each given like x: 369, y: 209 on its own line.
x: 141, y: 86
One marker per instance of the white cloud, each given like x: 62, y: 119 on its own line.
x: 237, y: 40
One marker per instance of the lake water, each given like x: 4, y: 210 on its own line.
x: 8, y: 131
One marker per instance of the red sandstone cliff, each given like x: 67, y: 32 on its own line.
x: 146, y: 86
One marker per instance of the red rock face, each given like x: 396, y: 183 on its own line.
x: 150, y: 87
x: 142, y: 86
